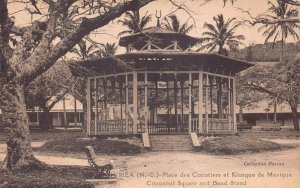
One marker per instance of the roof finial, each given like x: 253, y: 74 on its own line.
x: 158, y: 17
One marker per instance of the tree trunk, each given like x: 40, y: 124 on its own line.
x: 275, y: 111
x: 281, y: 52
x: 47, y: 118
x: 75, y: 112
x: 241, y: 119
x: 65, y: 114
x: 84, y: 121
x: 19, y: 152
x: 293, y: 105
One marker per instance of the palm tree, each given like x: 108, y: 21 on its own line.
x: 280, y: 30
x: 221, y: 36
x: 83, y: 50
x: 134, y: 22
x: 173, y: 24
x: 108, y: 49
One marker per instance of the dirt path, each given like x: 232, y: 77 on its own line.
x: 182, y: 169
x: 193, y: 170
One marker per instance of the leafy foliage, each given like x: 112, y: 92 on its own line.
x: 280, y: 30
x: 280, y: 81
x: 172, y: 23
x: 221, y: 36
x: 108, y: 49
x: 134, y: 22
x: 83, y: 50
x: 267, y: 52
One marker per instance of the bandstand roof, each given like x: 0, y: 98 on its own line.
x: 160, y: 61
x: 159, y: 35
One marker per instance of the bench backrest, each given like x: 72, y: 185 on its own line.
x: 91, y: 156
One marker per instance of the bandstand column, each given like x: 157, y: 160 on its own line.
x: 190, y: 102
x: 135, y: 102
x: 233, y: 105
x: 96, y: 104
x: 176, y: 101
x: 200, y: 102
x: 206, y: 103
x: 146, y: 102
x: 229, y: 105
x: 88, y: 99
x: 126, y: 104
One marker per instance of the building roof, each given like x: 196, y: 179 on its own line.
x: 264, y: 104
x: 155, y: 60
x: 161, y: 36
x: 69, y: 105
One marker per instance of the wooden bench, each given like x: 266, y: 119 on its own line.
x: 102, y: 170
x: 270, y: 127
x: 266, y: 127
x: 242, y: 127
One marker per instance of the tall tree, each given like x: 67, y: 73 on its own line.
x: 83, y: 50
x: 281, y: 82
x: 134, y: 22
x: 108, y: 49
x: 173, y: 23
x: 79, y: 88
x: 280, y: 30
x: 48, y: 89
x: 40, y: 45
x: 246, y: 97
x: 221, y: 36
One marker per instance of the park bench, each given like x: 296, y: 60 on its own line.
x: 243, y: 127
x: 102, y: 170
x: 270, y: 126
x: 267, y: 127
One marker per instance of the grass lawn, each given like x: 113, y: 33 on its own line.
x: 101, y: 146
x: 233, y: 145
x: 283, y: 134
x: 48, y: 176
x: 47, y: 135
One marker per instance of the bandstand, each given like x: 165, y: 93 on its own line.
x: 160, y: 86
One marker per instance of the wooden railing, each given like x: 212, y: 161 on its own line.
x: 111, y: 127
x: 119, y: 126
x: 195, y: 124
x: 167, y: 127
x: 214, y: 124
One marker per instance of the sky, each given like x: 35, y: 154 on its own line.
x: 200, y: 12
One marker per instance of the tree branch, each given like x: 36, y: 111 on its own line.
x: 292, y: 2
x: 43, y: 63
x: 259, y: 88
x: 261, y: 20
x: 57, y: 99
x: 5, y: 25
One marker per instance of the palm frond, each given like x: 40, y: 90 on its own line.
x: 124, y: 32
x: 221, y: 34
x: 210, y: 27
x: 175, y: 25
x: 145, y: 20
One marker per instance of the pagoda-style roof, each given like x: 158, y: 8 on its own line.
x: 161, y: 61
x: 159, y: 36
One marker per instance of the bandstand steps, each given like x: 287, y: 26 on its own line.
x: 170, y: 143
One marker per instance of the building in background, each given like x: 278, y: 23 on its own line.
x: 65, y: 113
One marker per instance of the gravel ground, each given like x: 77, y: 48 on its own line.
x: 189, y: 169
